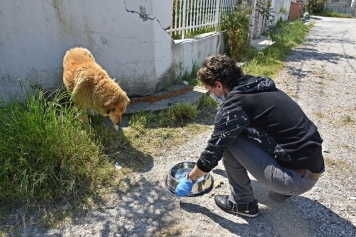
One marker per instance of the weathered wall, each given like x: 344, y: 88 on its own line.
x: 342, y: 6
x: 259, y: 23
x: 127, y: 38
x: 280, y: 10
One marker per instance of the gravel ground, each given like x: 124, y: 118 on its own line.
x: 320, y: 76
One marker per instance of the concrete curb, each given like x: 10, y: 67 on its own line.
x: 193, y: 96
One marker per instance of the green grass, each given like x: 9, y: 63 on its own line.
x: 269, y: 61
x: 330, y: 13
x: 44, y: 153
x: 173, y: 117
x: 191, y: 77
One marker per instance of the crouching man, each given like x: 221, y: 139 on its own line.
x: 258, y: 129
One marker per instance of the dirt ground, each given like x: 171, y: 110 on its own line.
x: 320, y: 76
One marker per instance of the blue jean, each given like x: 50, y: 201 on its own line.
x: 242, y: 156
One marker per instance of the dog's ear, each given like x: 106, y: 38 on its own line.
x: 108, y: 107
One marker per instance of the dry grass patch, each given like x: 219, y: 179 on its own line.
x: 320, y: 82
x: 329, y: 77
x: 320, y: 115
x: 292, y: 93
x: 347, y: 120
x: 347, y: 147
x: 341, y: 170
x: 343, y: 120
x: 159, y: 139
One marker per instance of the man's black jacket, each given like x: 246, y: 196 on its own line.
x: 269, y: 118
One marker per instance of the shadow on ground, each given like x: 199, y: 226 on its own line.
x: 144, y: 208
x: 299, y: 216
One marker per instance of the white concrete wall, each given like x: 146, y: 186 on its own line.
x: 192, y: 52
x: 340, y: 3
x: 126, y: 37
x: 277, y: 5
x: 342, y: 6
x: 260, y: 24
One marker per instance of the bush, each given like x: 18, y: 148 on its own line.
x: 236, y: 26
x: 315, y: 6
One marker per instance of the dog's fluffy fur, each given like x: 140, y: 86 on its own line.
x: 92, y: 88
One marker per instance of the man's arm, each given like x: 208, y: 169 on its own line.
x: 229, y: 122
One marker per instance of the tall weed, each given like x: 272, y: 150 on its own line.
x: 44, y: 153
x: 236, y: 26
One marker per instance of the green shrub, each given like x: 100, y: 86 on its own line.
x: 236, y: 26
x: 314, y: 6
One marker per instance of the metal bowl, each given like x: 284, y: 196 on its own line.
x: 180, y: 170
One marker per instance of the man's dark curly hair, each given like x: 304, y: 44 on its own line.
x: 222, y: 68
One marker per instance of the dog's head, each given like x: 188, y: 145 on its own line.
x: 116, y: 107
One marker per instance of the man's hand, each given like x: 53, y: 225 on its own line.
x: 184, y: 188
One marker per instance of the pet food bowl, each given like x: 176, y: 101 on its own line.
x: 180, y: 170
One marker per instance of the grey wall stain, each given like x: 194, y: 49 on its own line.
x: 104, y: 41
x: 143, y: 13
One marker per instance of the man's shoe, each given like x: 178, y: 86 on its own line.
x: 250, y: 210
x: 278, y: 197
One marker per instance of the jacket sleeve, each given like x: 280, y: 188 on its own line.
x: 229, y: 122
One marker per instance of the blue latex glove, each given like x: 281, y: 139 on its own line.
x: 184, y: 188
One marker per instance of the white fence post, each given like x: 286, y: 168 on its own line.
x: 184, y: 11
x: 180, y: 17
x: 217, y: 14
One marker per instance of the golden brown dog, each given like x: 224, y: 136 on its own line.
x: 92, y: 88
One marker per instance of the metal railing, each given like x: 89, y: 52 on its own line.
x: 193, y: 15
